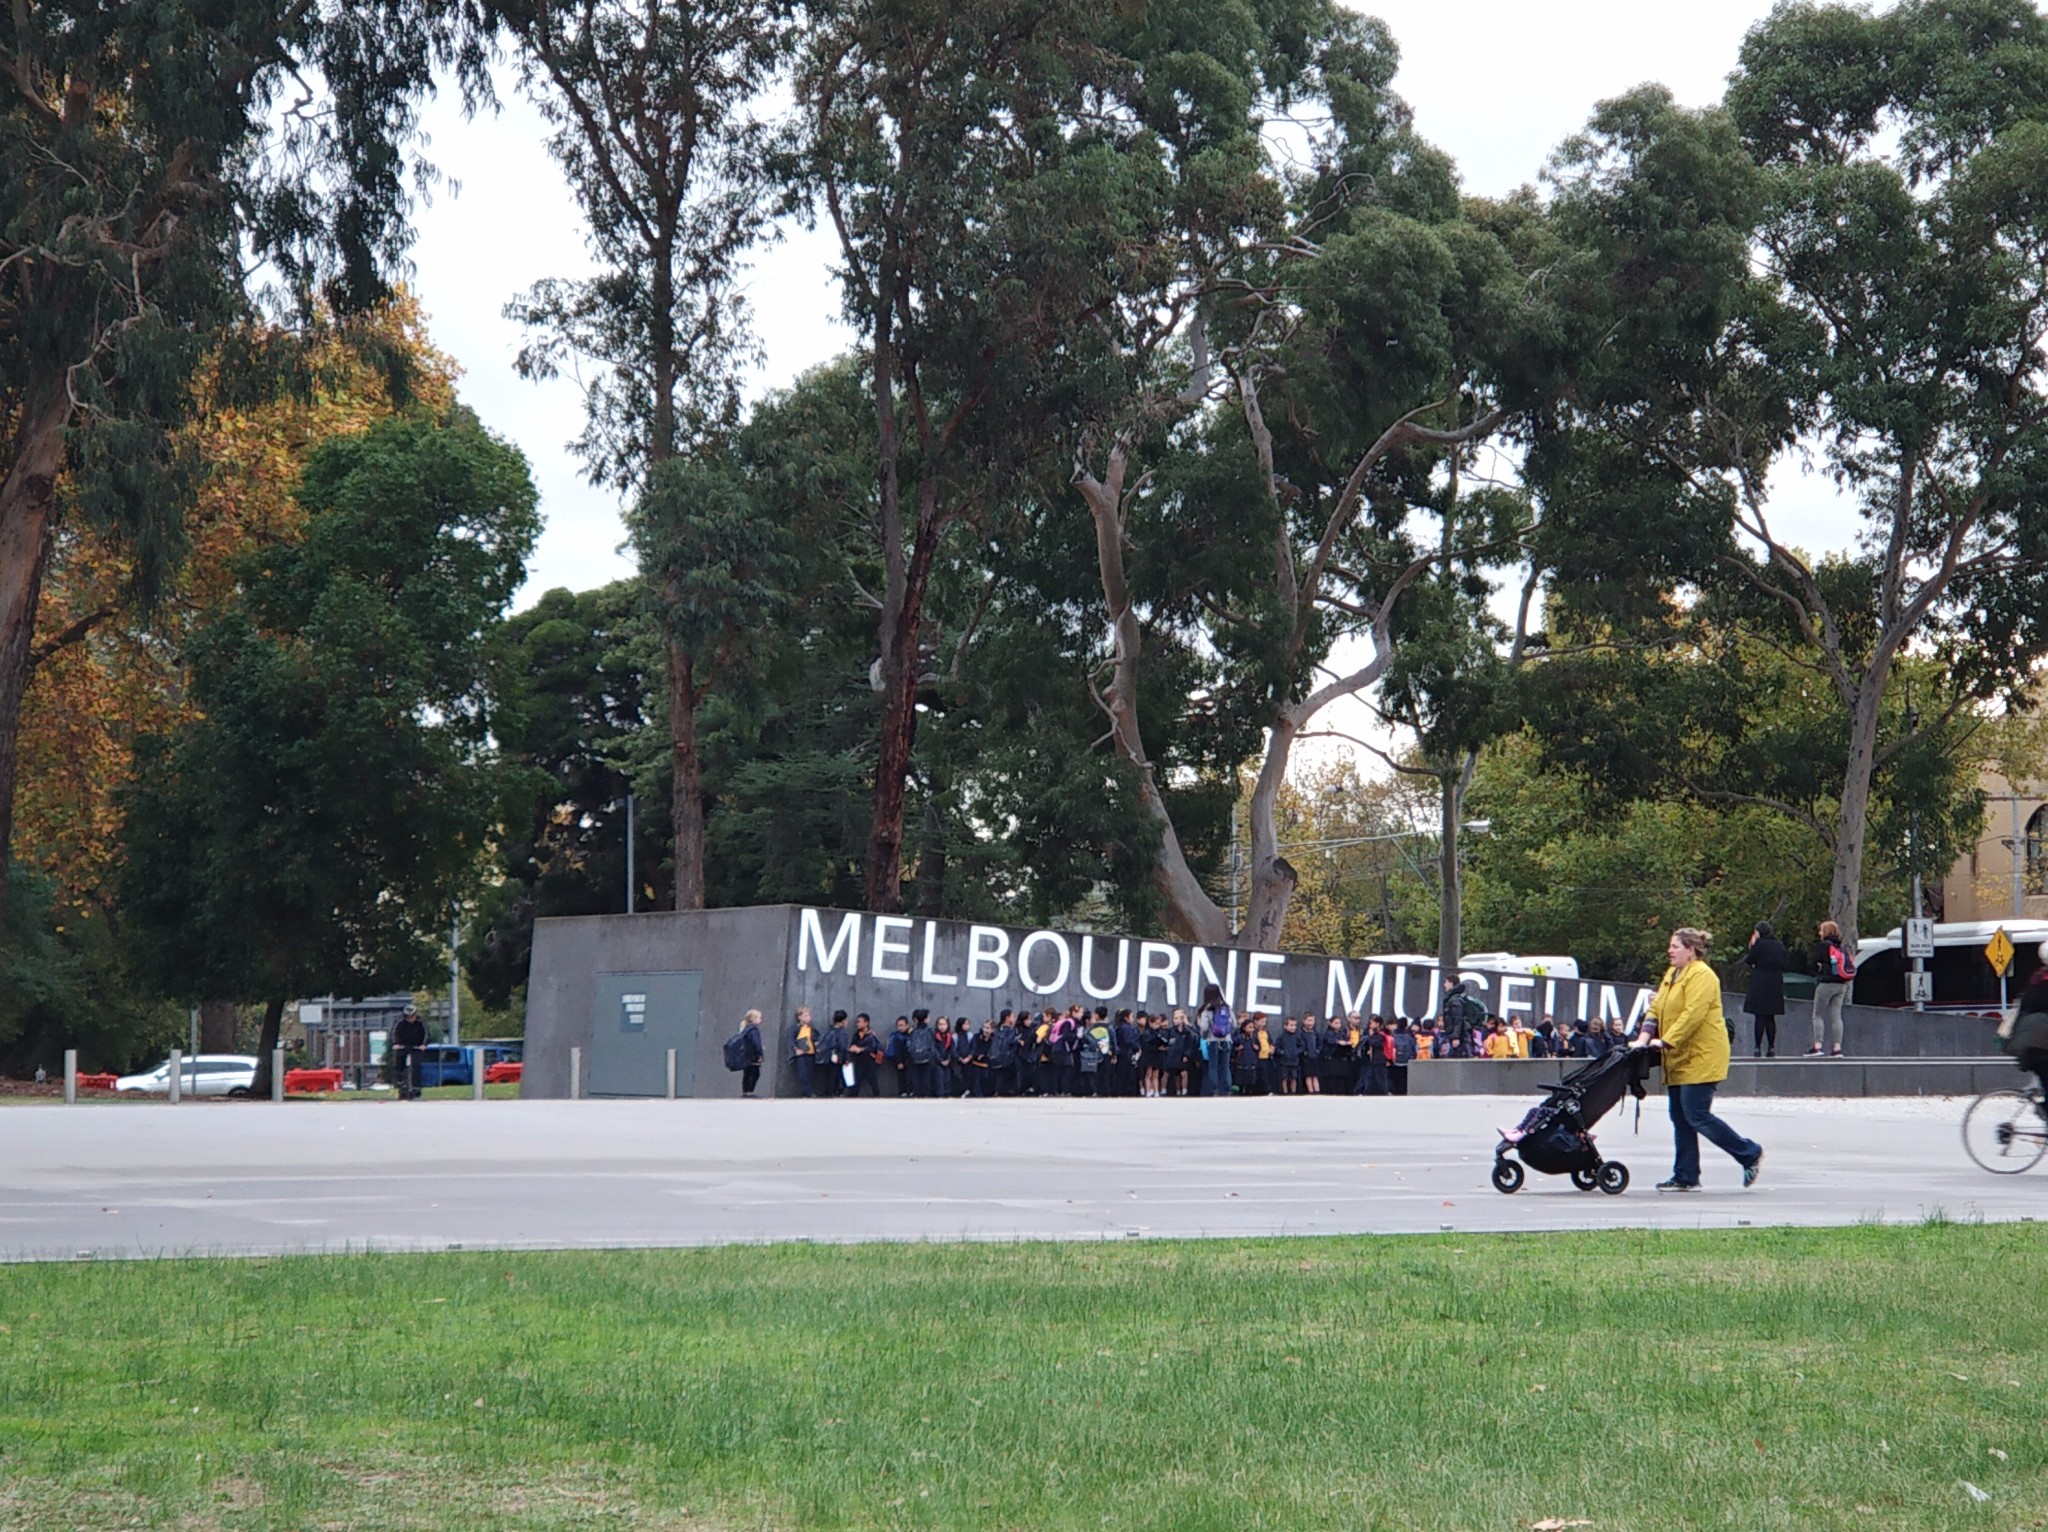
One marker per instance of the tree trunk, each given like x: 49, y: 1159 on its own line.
x: 1852, y: 816
x: 266, y: 1048
x: 686, y: 787
x: 216, y: 1026
x: 27, y: 527
x: 1274, y: 879
x: 1190, y: 913
x: 1450, y: 920
x: 900, y: 667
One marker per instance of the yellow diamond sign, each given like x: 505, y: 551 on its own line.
x: 1999, y: 950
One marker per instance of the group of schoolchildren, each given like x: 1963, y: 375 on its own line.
x: 1078, y: 1052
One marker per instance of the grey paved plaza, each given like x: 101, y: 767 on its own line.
x: 112, y: 1180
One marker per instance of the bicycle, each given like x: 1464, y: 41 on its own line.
x: 2005, y: 1131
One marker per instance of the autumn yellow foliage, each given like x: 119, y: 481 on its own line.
x: 105, y: 674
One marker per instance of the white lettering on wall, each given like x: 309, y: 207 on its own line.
x: 1610, y: 1002
x: 885, y: 925
x: 931, y: 972
x: 988, y: 967
x: 1510, y: 1002
x: 1202, y: 973
x: 811, y: 939
x: 1637, y: 1006
x: 1256, y: 983
x: 1043, y: 938
x: 1340, y: 999
x: 1123, y: 969
x: 1158, y: 961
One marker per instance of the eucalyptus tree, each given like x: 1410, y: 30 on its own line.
x: 947, y: 147
x: 1894, y: 331
x: 653, y: 108
x: 145, y: 152
x: 1362, y: 330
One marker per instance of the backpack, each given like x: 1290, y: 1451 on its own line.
x: 1091, y: 1051
x: 1840, y: 964
x: 1220, y: 1023
x: 736, y: 1051
x: 1404, y: 1047
x: 923, y: 1047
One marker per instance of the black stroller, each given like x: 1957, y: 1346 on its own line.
x: 1554, y: 1139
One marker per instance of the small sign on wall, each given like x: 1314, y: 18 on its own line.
x: 1919, y: 938
x: 1919, y: 988
x: 633, y: 1012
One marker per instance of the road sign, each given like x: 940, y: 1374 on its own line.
x: 1919, y: 988
x: 1919, y: 938
x: 1999, y: 950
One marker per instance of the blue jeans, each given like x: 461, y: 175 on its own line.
x: 1216, y: 1072
x: 1692, y: 1117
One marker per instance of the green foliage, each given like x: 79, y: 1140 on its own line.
x: 309, y: 832
x: 572, y: 672
x: 66, y: 981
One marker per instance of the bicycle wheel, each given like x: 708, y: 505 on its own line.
x: 2004, y: 1131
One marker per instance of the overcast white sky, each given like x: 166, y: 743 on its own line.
x: 1497, y: 83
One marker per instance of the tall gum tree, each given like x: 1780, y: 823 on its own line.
x: 653, y: 111
x: 1894, y: 332
x: 933, y: 139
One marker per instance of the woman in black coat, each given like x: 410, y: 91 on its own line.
x: 1765, y: 999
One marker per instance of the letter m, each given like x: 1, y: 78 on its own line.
x: 811, y: 938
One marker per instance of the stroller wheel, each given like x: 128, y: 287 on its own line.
x: 1507, y: 1176
x: 1586, y: 1180
x: 1614, y: 1178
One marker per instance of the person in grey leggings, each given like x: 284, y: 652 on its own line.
x: 1828, y: 992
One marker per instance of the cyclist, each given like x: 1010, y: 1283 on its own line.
x: 2027, y: 1041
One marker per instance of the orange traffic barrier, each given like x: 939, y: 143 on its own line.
x: 299, y: 1082
x: 502, y: 1074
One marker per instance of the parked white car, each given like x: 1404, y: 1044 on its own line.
x: 204, y: 1074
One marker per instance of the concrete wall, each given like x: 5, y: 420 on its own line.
x: 1817, y: 1077
x: 742, y: 955
x: 779, y: 957
x: 1875, y: 1032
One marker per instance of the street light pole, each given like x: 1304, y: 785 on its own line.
x: 631, y: 880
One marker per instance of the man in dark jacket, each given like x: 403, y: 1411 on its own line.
x: 1462, y: 1017
x: 408, y: 1041
x: 1765, y: 998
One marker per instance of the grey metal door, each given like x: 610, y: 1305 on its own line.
x: 635, y: 1019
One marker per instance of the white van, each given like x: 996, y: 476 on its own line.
x: 1508, y: 962
x: 1963, y: 979
x: 1488, y: 962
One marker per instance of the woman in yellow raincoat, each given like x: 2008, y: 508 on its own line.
x: 1694, y: 1037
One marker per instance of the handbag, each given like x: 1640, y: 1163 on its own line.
x: 846, y: 1073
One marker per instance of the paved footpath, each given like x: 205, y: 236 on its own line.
x: 253, y: 1178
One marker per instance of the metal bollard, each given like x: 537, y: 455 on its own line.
x: 277, y: 1075
x: 70, y: 1076
x: 671, y: 1074
x: 177, y: 1074
x: 476, y: 1074
x: 575, y: 1074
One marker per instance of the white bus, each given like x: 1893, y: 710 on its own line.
x: 1963, y: 979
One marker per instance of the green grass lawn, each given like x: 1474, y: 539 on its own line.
x: 1804, y: 1379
